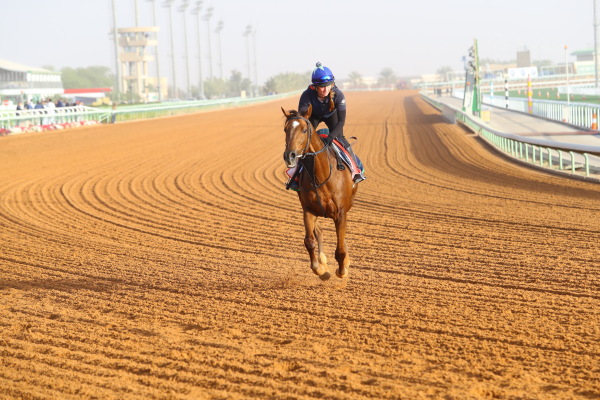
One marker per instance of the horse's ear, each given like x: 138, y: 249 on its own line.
x: 308, y: 112
x: 287, y: 115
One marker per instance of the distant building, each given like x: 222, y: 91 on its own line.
x: 20, y: 82
x: 584, y: 64
x: 584, y: 55
x: 523, y: 59
x: 365, y: 82
x: 93, y: 97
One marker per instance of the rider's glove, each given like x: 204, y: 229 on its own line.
x: 328, y: 140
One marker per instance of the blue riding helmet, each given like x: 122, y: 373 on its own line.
x: 322, y: 76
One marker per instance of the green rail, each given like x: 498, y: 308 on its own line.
x: 575, y: 160
x: 13, y: 122
x: 166, y: 109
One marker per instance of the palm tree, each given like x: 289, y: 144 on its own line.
x: 355, y: 78
x: 387, y: 77
x: 443, y: 72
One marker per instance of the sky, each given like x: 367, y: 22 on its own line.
x: 411, y: 37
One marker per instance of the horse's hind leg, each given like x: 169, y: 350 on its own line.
x: 312, y: 241
x: 341, y: 253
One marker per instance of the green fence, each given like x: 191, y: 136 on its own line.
x: 166, y: 109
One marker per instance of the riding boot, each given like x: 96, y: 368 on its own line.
x: 294, y: 184
x: 361, y: 175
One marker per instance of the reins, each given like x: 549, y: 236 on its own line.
x: 304, y: 155
x: 310, y: 131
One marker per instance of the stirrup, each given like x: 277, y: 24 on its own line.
x: 294, y: 185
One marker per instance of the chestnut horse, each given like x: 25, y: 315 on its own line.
x: 324, y: 190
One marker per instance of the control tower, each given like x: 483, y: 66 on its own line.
x: 135, y: 49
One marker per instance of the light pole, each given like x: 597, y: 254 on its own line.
x: 255, y: 68
x: 218, y: 30
x: 158, y: 87
x: 596, y: 42
x: 247, y: 34
x: 169, y: 4
x: 196, y: 12
x: 137, y: 14
x: 183, y: 9
x: 116, y: 41
x: 567, y: 69
x: 207, y: 17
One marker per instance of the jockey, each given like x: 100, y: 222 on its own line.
x: 329, y: 106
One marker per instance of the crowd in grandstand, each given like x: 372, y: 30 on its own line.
x: 46, y: 103
x: 44, y: 115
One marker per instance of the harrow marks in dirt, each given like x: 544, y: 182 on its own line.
x: 164, y: 259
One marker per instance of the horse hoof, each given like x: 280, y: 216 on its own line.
x: 320, y: 270
x: 340, y: 275
x: 322, y: 273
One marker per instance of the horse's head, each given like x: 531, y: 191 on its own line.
x: 298, y: 133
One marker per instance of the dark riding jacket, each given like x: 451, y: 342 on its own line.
x: 334, y: 119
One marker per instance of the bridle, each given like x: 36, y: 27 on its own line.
x: 310, y: 132
x: 306, y: 154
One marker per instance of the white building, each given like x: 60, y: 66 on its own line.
x: 20, y: 83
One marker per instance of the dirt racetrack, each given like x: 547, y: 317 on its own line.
x: 163, y: 259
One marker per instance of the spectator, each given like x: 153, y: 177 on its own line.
x: 51, y: 110
x: 39, y: 106
x: 19, y: 108
x: 114, y: 113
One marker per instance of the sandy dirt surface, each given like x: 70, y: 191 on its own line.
x: 164, y: 259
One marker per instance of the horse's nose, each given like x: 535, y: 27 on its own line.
x: 290, y: 158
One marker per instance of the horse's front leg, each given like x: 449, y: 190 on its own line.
x: 341, y: 253
x: 319, y: 236
x: 312, y: 241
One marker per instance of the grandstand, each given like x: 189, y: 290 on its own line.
x: 21, y: 82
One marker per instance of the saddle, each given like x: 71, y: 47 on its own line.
x: 342, y: 156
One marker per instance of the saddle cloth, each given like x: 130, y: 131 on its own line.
x: 341, y: 152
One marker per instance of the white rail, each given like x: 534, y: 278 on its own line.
x: 577, y: 114
x: 13, y: 121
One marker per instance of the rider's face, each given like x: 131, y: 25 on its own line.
x: 323, y: 91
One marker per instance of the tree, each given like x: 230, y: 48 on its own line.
x: 215, y: 88
x: 442, y: 72
x: 286, y: 82
x: 237, y: 84
x: 387, y: 77
x: 355, y: 78
x: 90, y: 77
